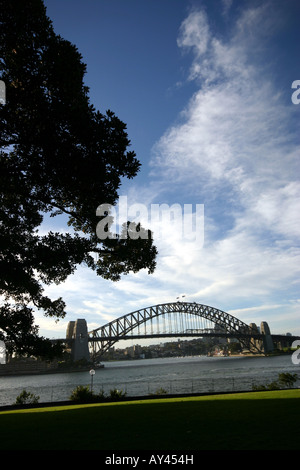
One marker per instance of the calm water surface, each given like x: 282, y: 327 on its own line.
x: 142, y: 377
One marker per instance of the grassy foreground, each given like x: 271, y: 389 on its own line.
x: 262, y: 420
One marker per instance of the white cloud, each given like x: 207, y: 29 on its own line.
x: 279, y: 210
x: 195, y: 33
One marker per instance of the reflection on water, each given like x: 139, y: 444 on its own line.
x: 143, y: 377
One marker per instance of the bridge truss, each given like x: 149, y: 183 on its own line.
x: 175, y: 319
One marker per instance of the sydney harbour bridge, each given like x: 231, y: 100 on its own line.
x: 171, y: 320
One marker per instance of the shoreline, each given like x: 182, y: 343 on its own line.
x: 12, y: 373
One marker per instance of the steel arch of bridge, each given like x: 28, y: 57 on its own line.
x: 105, y: 336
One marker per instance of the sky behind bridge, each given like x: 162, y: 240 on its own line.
x: 205, y: 88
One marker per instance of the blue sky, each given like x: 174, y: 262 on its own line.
x: 205, y: 90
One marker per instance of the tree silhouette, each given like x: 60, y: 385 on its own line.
x: 58, y: 156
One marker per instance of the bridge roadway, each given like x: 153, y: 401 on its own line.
x: 198, y: 334
x: 275, y: 337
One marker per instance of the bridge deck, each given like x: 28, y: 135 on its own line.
x: 172, y: 335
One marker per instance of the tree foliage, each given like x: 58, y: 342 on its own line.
x: 59, y: 155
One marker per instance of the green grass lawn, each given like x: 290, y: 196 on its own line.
x: 255, y: 420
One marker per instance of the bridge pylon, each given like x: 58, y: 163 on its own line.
x: 268, y: 344
x: 77, y: 334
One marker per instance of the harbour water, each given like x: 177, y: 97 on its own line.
x: 147, y: 376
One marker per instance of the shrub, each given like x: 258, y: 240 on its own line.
x: 27, y: 398
x: 117, y: 394
x: 82, y: 394
x: 159, y: 391
x: 287, y: 379
x: 284, y: 380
